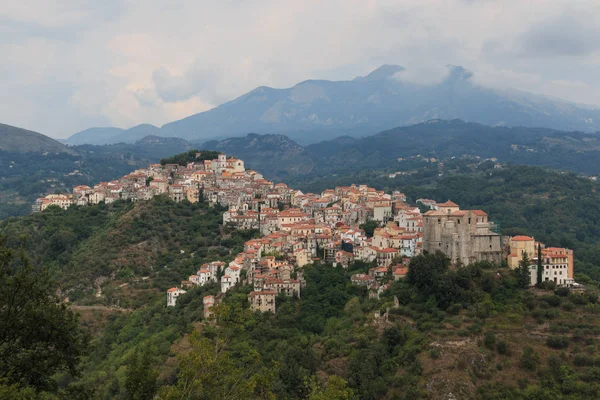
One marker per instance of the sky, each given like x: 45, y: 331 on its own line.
x: 68, y: 65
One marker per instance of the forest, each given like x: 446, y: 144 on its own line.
x: 474, y: 332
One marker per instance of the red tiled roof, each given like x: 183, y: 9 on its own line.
x: 522, y: 238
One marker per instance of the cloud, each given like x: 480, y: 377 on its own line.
x: 71, y: 64
x: 567, y: 35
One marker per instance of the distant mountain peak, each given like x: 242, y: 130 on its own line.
x: 458, y: 73
x: 386, y: 71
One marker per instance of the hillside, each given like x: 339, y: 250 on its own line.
x: 27, y: 176
x: 13, y: 139
x: 473, y: 332
x: 102, y: 136
x: 276, y: 156
x: 115, y: 254
x: 94, y: 136
x: 573, y: 151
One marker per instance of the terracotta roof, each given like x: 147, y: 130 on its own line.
x: 447, y: 204
x: 522, y: 238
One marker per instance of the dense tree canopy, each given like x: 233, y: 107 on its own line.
x: 39, y: 334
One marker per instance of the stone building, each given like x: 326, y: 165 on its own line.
x: 465, y: 236
x: 208, y: 302
x: 263, y: 301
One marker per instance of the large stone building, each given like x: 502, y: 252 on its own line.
x: 465, y: 236
x: 262, y: 301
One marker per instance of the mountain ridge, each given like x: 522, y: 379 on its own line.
x: 318, y: 109
x: 15, y: 139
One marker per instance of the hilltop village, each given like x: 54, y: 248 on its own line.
x: 299, y: 228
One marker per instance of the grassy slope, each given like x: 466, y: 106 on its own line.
x: 22, y: 140
x: 132, y: 252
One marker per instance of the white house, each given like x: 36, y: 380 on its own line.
x: 226, y: 283
x: 234, y: 272
x: 172, y: 295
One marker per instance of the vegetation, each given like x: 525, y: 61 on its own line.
x: 469, y: 339
x: 190, y: 156
x: 124, y: 254
x: 39, y: 336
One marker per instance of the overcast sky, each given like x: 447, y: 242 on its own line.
x: 72, y: 64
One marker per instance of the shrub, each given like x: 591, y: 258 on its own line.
x: 553, y: 300
x: 489, y: 340
x: 548, y: 285
x: 557, y: 342
x: 454, y: 309
x: 530, y: 359
x: 579, y: 299
x: 562, y: 291
x: 434, y: 353
x: 502, y: 348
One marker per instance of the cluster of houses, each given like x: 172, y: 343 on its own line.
x: 299, y: 228
x: 212, y: 178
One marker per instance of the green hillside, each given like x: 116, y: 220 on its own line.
x: 24, y: 141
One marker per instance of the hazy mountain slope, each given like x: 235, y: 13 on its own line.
x: 276, y: 156
x: 15, y: 139
x: 574, y: 151
x: 318, y: 109
x: 139, y: 132
x: 101, y: 136
x: 96, y: 136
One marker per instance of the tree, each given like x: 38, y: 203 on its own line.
x: 425, y: 270
x: 209, y: 372
x: 369, y: 227
x: 522, y: 272
x: 540, y: 270
x: 39, y: 335
x: 336, y: 389
x: 141, y: 376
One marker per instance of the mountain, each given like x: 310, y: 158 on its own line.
x: 139, y: 132
x: 13, y: 139
x: 275, y: 155
x: 279, y: 157
x: 102, y: 136
x: 318, y: 109
x: 96, y: 136
x: 575, y: 151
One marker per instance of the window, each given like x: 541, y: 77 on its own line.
x: 469, y: 221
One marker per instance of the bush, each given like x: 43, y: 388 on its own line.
x: 530, y: 359
x: 454, y: 309
x: 502, y: 348
x: 548, y: 285
x: 434, y: 353
x: 489, y: 340
x: 562, y: 291
x: 553, y: 300
x: 557, y: 342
